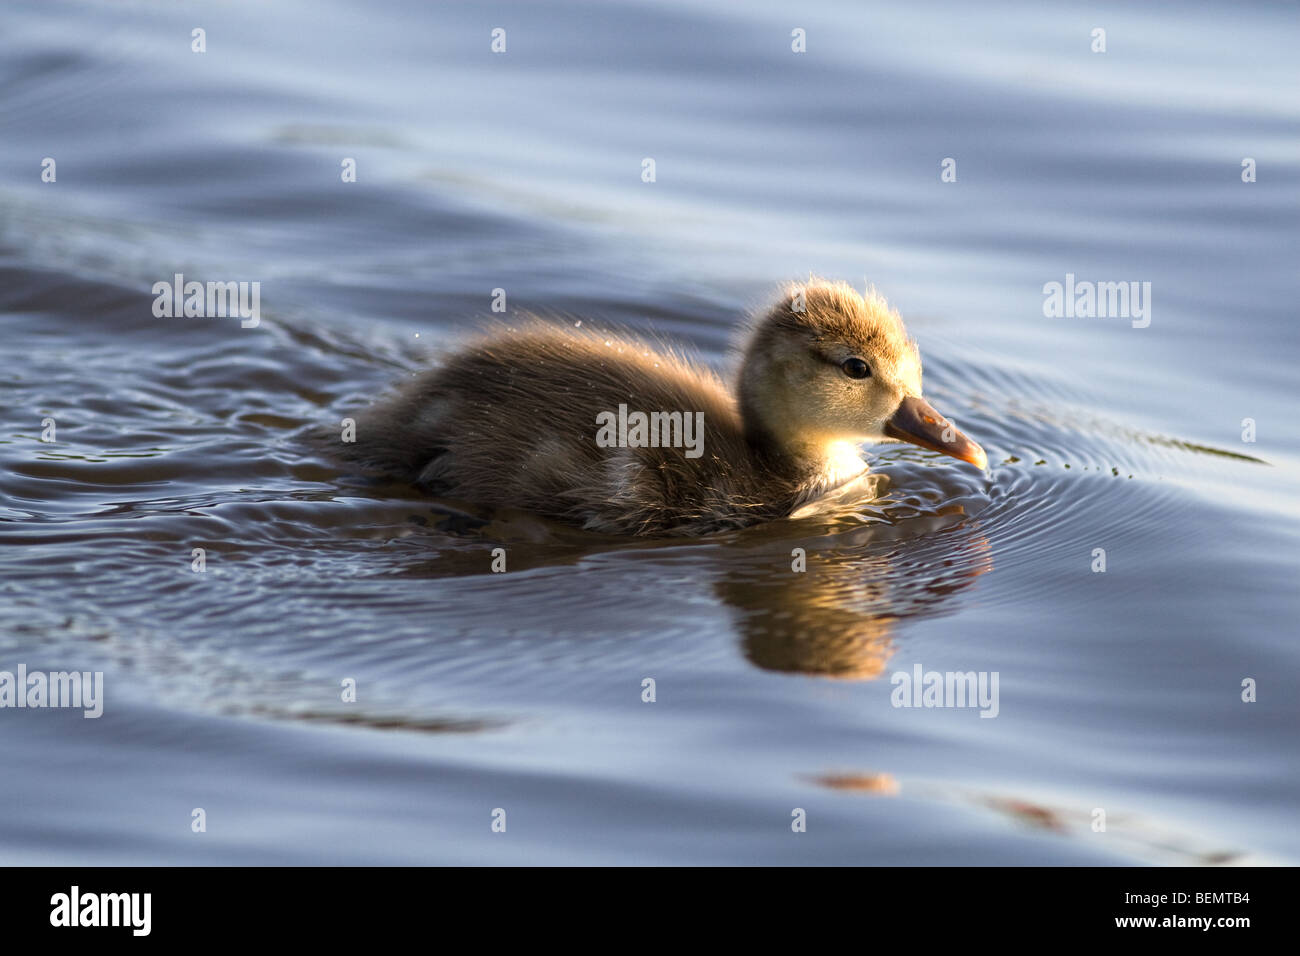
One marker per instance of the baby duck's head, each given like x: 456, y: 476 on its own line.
x: 825, y: 369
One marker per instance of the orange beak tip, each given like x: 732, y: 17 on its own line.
x: 919, y: 424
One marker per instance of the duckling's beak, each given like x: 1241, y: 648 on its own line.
x: 918, y: 423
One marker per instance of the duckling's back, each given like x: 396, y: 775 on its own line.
x: 515, y: 420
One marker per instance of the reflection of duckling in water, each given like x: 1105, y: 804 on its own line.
x: 839, y: 615
x: 513, y: 420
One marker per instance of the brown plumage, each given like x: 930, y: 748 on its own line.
x: 515, y: 419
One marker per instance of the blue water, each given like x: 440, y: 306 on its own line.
x: 1119, y: 691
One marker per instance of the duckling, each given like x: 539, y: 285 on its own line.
x: 516, y: 419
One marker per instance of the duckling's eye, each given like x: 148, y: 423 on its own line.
x: 856, y: 368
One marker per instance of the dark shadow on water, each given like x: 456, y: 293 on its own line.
x: 377, y: 721
x: 820, y: 596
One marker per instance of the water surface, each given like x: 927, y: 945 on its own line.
x: 522, y: 171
